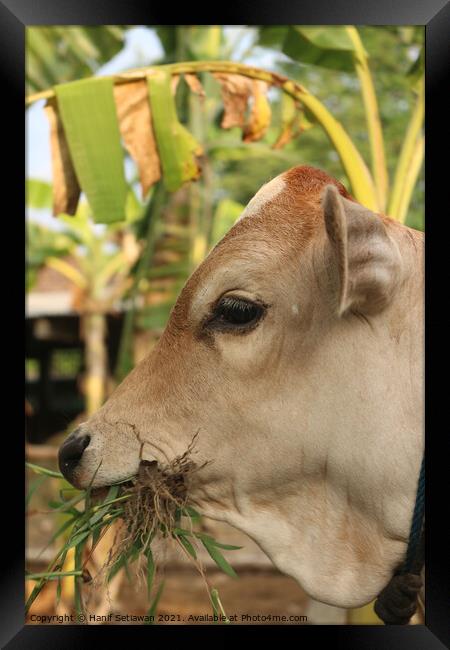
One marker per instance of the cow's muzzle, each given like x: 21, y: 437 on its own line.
x: 70, y: 453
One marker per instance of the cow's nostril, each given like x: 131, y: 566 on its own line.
x: 70, y: 454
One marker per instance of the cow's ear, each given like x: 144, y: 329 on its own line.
x: 365, y: 259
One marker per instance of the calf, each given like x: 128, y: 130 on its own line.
x: 296, y: 353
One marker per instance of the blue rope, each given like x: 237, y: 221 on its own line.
x: 404, y: 580
x: 416, y: 531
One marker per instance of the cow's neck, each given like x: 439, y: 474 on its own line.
x: 340, y: 522
x: 340, y: 539
x: 339, y: 530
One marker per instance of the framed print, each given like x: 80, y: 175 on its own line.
x: 228, y: 394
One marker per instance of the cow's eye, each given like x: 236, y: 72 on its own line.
x: 232, y: 312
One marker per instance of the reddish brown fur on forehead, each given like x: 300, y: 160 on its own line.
x: 310, y: 181
x: 292, y: 214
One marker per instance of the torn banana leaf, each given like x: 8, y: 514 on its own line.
x: 178, y: 149
x: 135, y: 123
x: 194, y: 84
x: 236, y: 90
x: 293, y: 121
x: 88, y: 113
x: 260, y: 115
x: 66, y: 189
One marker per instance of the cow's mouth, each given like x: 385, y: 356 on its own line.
x: 163, y: 482
x: 100, y: 492
x: 149, y: 476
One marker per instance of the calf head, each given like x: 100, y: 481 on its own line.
x: 281, y: 358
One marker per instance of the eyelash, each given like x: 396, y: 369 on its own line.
x: 234, y: 306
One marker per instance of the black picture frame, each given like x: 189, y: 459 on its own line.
x: 15, y: 15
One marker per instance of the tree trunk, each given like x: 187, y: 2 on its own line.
x: 94, y: 330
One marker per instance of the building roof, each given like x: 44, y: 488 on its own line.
x: 49, y: 303
x: 49, y: 280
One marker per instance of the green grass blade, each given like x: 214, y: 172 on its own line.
x: 226, y: 547
x: 115, y: 568
x: 66, y: 506
x: 43, y: 470
x: 217, y: 605
x: 204, y: 538
x: 76, y: 577
x: 187, y: 545
x: 33, y: 487
x: 120, y: 563
x: 88, y: 113
x: 191, y: 512
x: 78, y: 538
x: 96, y: 536
x: 98, y: 516
x: 61, y: 555
x: 58, y: 592
x: 112, y: 493
x: 218, y: 558
x: 154, y: 605
x: 150, y: 571
x: 52, y: 575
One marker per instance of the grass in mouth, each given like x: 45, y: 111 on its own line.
x: 154, y: 505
